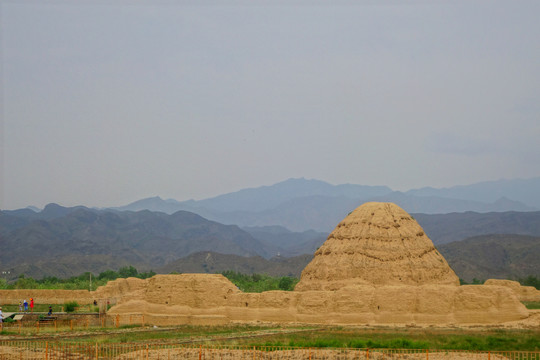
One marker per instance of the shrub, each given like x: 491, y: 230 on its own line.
x: 70, y: 306
x: 531, y: 281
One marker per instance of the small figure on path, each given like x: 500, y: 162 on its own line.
x: 20, y: 306
x: 31, y: 304
x: 50, y: 311
x: 25, y: 305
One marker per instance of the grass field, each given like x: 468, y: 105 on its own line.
x: 532, y: 304
x: 509, y: 340
x: 321, y: 337
x: 43, y: 308
x: 301, y: 336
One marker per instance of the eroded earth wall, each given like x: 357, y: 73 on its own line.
x: 45, y: 296
x: 185, y: 303
x: 113, y: 291
x: 524, y: 293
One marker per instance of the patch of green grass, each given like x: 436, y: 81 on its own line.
x: 179, y: 333
x: 324, y: 337
x: 130, y: 326
x: 502, y: 340
x: 260, y: 282
x: 37, y: 308
x: 531, y: 304
x: 70, y: 306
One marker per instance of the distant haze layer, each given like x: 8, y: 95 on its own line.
x: 105, y: 102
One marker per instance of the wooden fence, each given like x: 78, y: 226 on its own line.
x: 23, y: 350
x: 51, y: 324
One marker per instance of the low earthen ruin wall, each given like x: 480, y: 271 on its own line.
x: 40, y: 296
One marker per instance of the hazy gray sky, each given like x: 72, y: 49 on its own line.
x: 107, y: 102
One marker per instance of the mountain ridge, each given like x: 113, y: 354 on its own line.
x: 97, y: 240
x: 499, y: 256
x: 319, y: 205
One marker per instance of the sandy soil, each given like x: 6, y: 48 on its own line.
x: 9, y: 353
x: 226, y: 354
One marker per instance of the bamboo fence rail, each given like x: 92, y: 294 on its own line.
x: 77, y: 323
x: 49, y: 350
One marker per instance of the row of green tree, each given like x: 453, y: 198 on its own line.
x: 259, y: 282
x: 246, y: 283
x: 527, y: 281
x: 86, y: 280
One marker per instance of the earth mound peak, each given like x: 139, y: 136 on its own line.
x: 376, y: 244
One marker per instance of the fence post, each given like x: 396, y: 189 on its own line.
x: 200, y: 352
x: 96, y: 351
x: 489, y: 355
x: 146, y: 351
x: 46, y: 350
x: 427, y: 354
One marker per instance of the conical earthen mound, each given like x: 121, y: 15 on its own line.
x: 376, y: 244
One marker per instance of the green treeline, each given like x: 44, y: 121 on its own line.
x: 259, y: 282
x: 528, y: 281
x: 86, y: 280
x: 500, y: 340
x: 247, y: 283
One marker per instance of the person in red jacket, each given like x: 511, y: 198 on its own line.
x: 31, y: 304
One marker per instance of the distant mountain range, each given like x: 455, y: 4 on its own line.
x: 494, y: 257
x: 446, y: 228
x: 60, y: 241
x: 265, y: 225
x: 63, y: 242
x: 301, y: 204
x: 111, y: 239
x: 525, y: 191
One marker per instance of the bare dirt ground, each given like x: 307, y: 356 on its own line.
x: 14, y: 353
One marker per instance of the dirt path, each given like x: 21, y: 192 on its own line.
x: 179, y: 340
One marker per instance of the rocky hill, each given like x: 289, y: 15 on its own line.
x: 445, y: 228
x: 211, y: 262
x: 63, y: 242
x: 90, y: 240
x: 494, y: 256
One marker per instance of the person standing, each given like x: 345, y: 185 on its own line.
x: 20, y: 306
x: 31, y: 304
x: 25, y: 303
